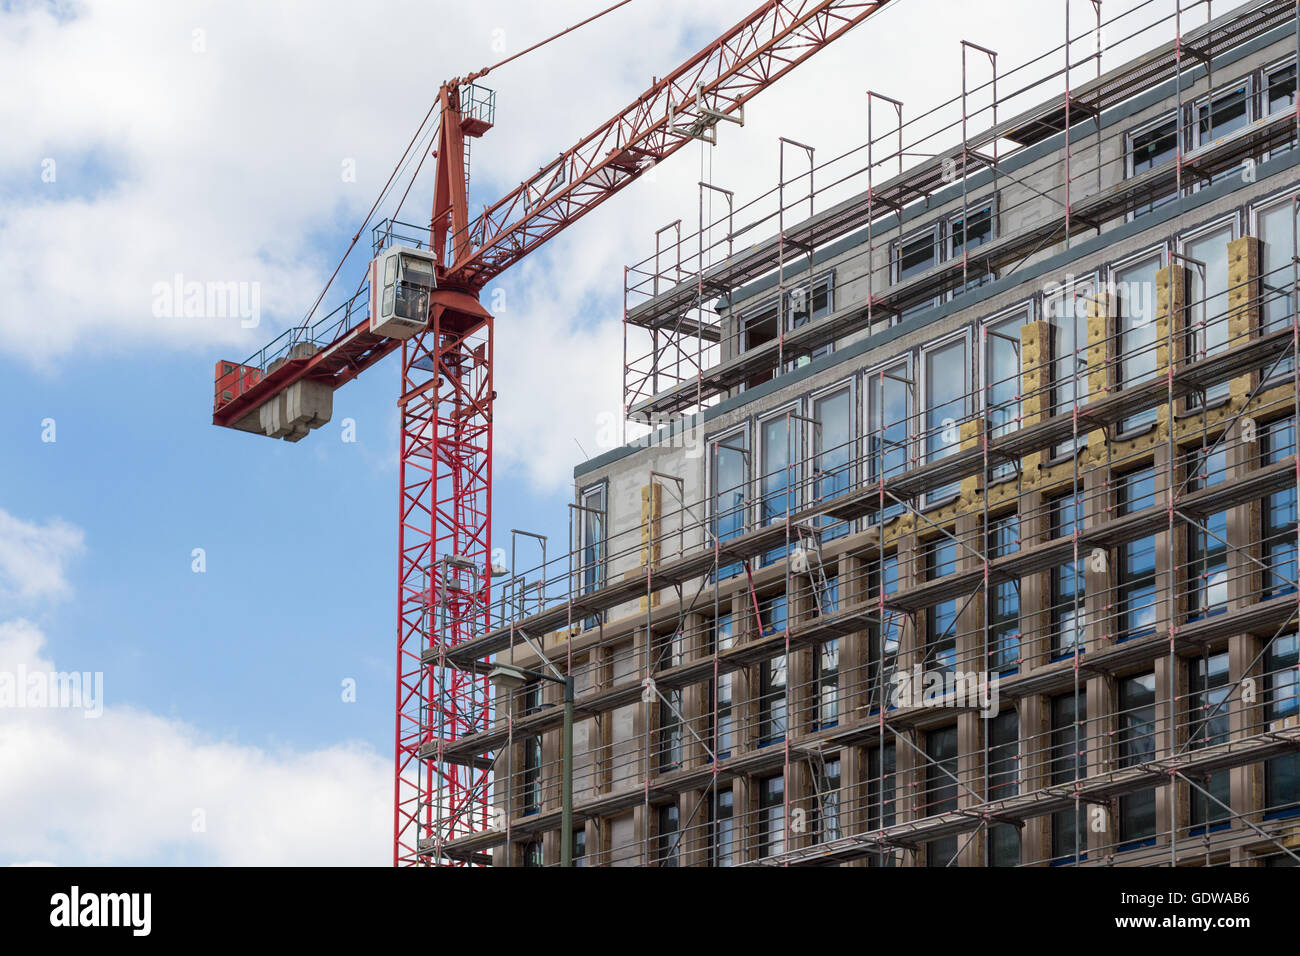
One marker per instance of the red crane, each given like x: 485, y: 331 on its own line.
x: 424, y: 300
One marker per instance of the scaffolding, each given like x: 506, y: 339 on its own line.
x: 680, y: 358
x: 807, y: 666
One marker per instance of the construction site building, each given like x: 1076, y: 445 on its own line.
x: 964, y: 532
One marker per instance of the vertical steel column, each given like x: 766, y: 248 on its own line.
x: 445, y: 522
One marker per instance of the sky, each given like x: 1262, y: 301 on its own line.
x: 234, y: 596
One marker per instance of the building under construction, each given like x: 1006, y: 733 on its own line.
x: 965, y: 530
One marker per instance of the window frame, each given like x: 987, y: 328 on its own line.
x: 1126, y: 581
x: 1195, y: 330
x: 984, y: 377
x: 771, y: 306
x: 949, y: 240
x: 1144, y: 420
x: 882, y: 373
x: 933, y: 498
x: 1059, y: 649
x: 712, y: 443
x: 793, y: 472
x: 601, y: 567
x: 1130, y: 166
x: 811, y: 435
x: 1067, y: 763
x: 1085, y: 286
x: 1281, y: 199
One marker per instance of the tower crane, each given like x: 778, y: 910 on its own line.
x: 421, y: 298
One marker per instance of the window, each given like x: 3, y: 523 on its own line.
x: 1004, y: 599
x: 1004, y: 781
x: 591, y: 543
x: 772, y: 677
x: 1137, y: 744
x: 776, y: 493
x: 778, y: 481
x: 802, y: 308
x: 951, y: 238
x: 914, y: 255
x: 884, y: 638
x: 591, y: 532
x: 772, y: 701
x: 725, y: 728
x: 827, y: 824
x: 1282, y: 774
x: 1207, y: 546
x: 941, y: 618
x: 946, y: 387
x: 722, y: 640
x: 668, y: 840
x: 580, y: 847
x: 1279, y: 96
x: 670, y: 730
x: 962, y: 241
x: 941, y: 790
x: 1069, y: 762
x: 670, y: 651
x: 729, y: 481
x: 761, y: 324
x: 1208, y: 723
x: 532, y: 853
x: 1279, y: 537
x: 826, y: 680
x: 1136, y: 571
x: 1279, y: 89
x: 833, y: 454
x: 772, y: 615
x: 880, y: 796
x: 722, y: 849
x: 826, y: 661
x: 1068, y: 612
x: 531, y: 791
x: 1135, y: 298
x: 1067, y: 313
x: 771, y: 816
x: 1221, y: 114
x: 1275, y: 225
x: 889, y: 423
x: 1207, y: 314
x: 1002, y: 384
x: 1149, y: 147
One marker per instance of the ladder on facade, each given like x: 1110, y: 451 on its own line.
x: 807, y: 559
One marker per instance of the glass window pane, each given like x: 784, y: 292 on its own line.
x: 945, y: 407
x: 1208, y: 300
x: 1135, y: 293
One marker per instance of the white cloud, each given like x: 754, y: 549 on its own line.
x: 34, y: 557
x: 126, y: 788
x: 225, y: 164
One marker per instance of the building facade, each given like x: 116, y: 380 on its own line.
x: 966, y: 533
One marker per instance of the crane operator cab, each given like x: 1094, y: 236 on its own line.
x: 401, y: 280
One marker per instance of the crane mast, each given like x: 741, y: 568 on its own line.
x: 423, y: 301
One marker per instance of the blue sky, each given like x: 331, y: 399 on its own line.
x: 223, y: 688
x: 243, y: 663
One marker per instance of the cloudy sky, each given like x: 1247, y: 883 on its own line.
x: 243, y: 141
